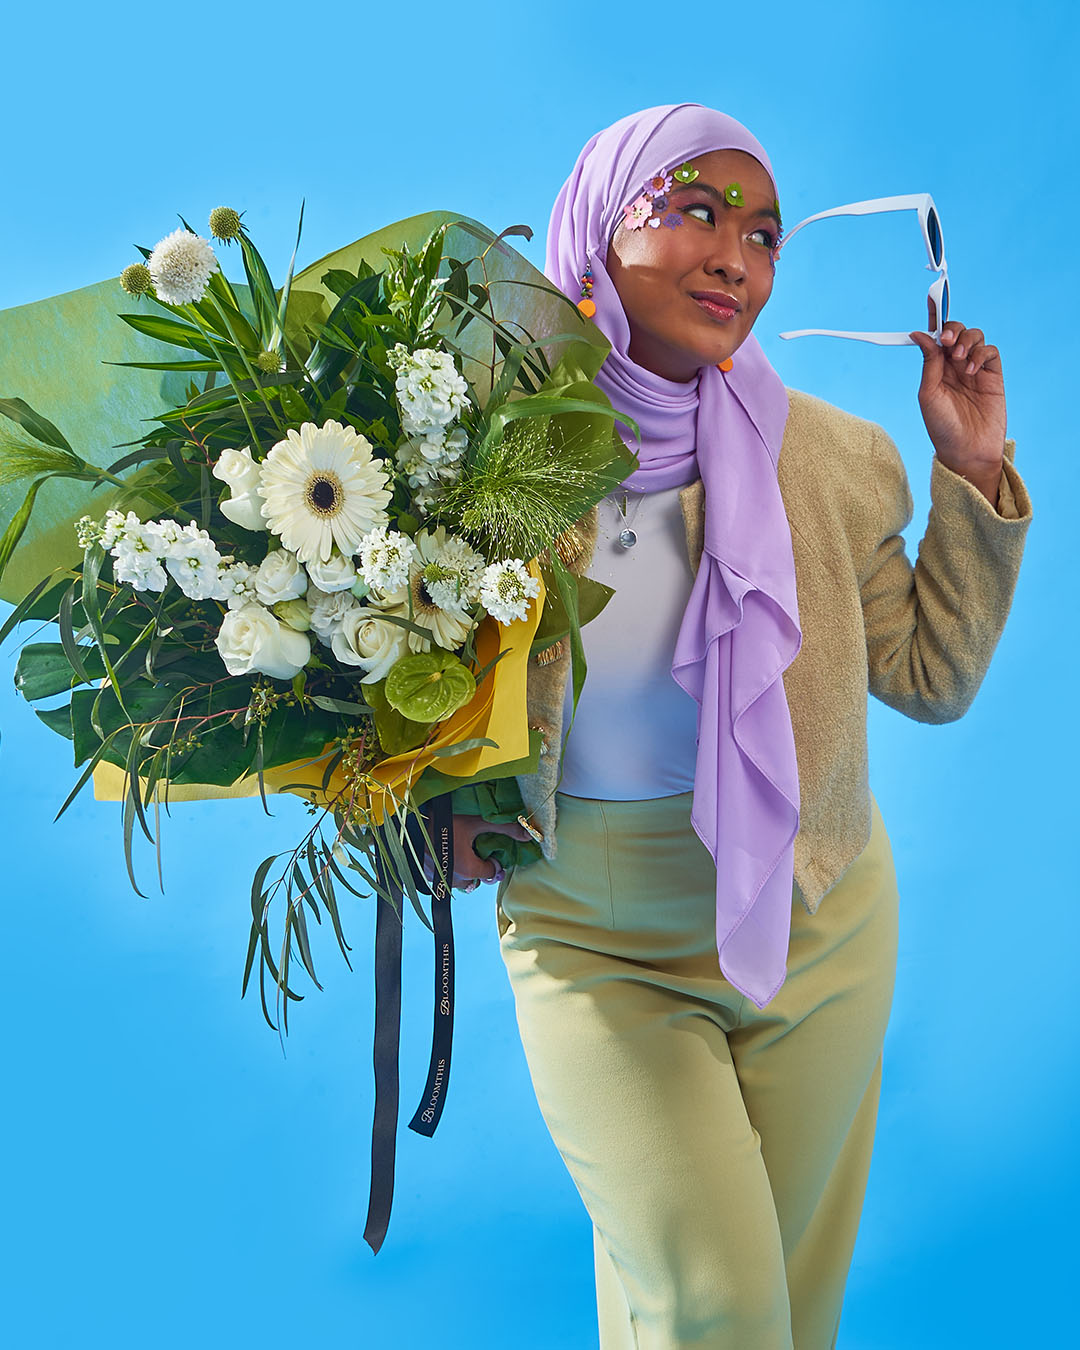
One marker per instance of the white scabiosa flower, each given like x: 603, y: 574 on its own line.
x: 430, y: 391
x: 194, y: 563
x: 181, y: 266
x: 336, y: 574
x: 506, y: 589
x: 450, y: 569
x: 323, y: 488
x: 384, y: 557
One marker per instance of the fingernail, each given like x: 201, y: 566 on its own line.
x: 959, y: 352
x: 970, y: 368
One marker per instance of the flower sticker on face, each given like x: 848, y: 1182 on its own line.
x: 658, y: 185
x: 637, y: 213
x: 733, y: 195
x: 685, y: 173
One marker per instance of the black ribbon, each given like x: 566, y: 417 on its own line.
x: 388, y: 929
x: 440, y: 825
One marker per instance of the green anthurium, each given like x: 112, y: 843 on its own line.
x: 430, y: 686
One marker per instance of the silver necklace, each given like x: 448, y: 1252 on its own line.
x: 627, y: 535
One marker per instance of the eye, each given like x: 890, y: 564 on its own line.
x: 765, y: 237
x: 699, y: 206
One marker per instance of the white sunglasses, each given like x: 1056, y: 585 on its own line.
x: 930, y: 223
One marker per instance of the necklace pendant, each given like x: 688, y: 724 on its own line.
x: 627, y: 538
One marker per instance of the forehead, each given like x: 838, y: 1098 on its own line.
x: 720, y: 167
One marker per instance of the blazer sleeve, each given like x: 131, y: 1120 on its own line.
x: 931, y: 629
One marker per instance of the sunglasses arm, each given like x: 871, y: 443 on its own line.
x: 909, y: 202
x: 881, y: 339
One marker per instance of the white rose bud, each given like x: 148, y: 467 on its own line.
x: 296, y: 613
x: 240, y: 473
x: 365, y: 639
x: 336, y: 574
x: 280, y: 577
x: 251, y: 639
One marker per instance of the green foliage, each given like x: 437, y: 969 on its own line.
x: 149, y: 692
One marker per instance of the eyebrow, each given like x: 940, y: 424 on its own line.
x: 719, y: 196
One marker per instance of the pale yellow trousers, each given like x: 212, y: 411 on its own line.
x: 721, y: 1150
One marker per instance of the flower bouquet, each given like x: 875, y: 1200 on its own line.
x: 322, y: 570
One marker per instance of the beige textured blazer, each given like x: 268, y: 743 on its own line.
x: 919, y: 638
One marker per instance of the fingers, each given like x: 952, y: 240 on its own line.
x: 965, y: 349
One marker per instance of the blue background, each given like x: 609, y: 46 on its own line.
x: 169, y: 1175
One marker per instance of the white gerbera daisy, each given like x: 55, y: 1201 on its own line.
x: 320, y: 487
x: 181, y: 265
x: 448, y: 627
x: 506, y: 589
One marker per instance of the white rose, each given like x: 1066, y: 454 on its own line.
x: 240, y: 473
x: 365, y: 639
x: 251, y: 639
x: 244, y: 510
x: 295, y: 613
x: 280, y: 577
x: 336, y: 574
x: 237, y: 470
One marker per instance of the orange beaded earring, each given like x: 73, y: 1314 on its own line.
x: 587, y: 304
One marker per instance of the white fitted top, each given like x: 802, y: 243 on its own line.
x: 635, y: 734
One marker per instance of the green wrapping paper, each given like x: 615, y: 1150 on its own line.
x: 54, y: 355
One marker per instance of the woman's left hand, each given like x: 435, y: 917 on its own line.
x: 962, y: 397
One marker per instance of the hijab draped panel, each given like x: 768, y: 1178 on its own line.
x: 740, y: 630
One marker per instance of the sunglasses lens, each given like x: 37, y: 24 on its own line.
x: 945, y: 303
x: 933, y: 229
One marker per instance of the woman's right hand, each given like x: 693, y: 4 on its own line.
x: 468, y: 865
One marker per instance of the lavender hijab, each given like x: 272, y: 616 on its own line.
x: 740, y: 630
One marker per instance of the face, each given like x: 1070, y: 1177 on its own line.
x: 693, y: 292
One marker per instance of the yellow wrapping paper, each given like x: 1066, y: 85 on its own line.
x: 497, y: 713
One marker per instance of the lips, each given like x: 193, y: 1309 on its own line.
x: 717, y: 304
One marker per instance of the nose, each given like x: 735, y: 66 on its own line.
x: 725, y: 257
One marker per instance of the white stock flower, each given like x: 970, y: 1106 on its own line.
x: 328, y: 611
x: 430, y: 391
x: 506, y: 588
x: 323, y: 487
x: 336, y: 574
x: 170, y: 536
x: 239, y: 472
x: 280, y: 577
x: 181, y: 265
x: 116, y: 525
x: 251, y: 639
x: 138, y: 561
x: 385, y: 556
x: 194, y: 563
x: 237, y: 585
x: 432, y: 459
x: 88, y: 532
x: 365, y: 639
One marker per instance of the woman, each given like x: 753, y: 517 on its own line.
x: 703, y: 960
